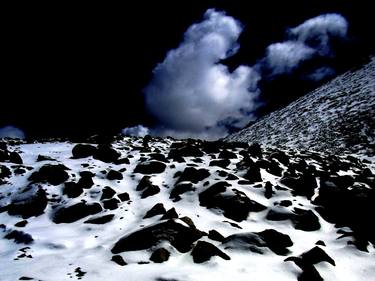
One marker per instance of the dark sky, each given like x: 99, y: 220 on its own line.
x: 81, y: 69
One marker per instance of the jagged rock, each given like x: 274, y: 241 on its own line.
x: 180, y: 236
x: 225, y: 154
x: 305, y: 220
x: 119, y: 260
x: 148, y: 188
x: 100, y: 220
x: 303, y: 185
x: 75, y: 212
x: 170, y: 214
x: 184, y: 151
x: 157, y: 209
x: 110, y: 204
x: 215, y: 235
x: 150, y: 167
x: 306, y: 262
x: 72, y: 190
x: 15, y: 158
x: 203, y: 252
x: 158, y: 157
x: 235, y: 204
x: 19, y: 237
x: 114, y: 175
x: 107, y: 193
x: 4, y: 172
x: 193, y: 175
x: 160, y: 255
x: 123, y: 196
x: 255, y: 150
x: 276, y: 241
x: 44, y: 158
x: 22, y: 223
x: 222, y: 163
x: 179, y: 189
x: 253, y: 174
x: 122, y: 161
x: 83, y: 151
x: 85, y: 181
x: 106, y: 153
x: 268, y: 190
x: 29, y: 202
x: 52, y: 174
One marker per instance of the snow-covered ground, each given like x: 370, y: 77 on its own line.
x: 41, y: 239
x: 337, y: 117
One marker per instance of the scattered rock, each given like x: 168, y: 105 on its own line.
x: 203, y: 252
x: 180, y: 236
x: 75, y: 212
x: 29, y: 202
x: 114, y: 175
x: 52, y: 174
x: 160, y: 255
x: 215, y: 235
x: 119, y: 260
x: 15, y: 158
x: 107, y: 193
x: 222, y: 163
x: 158, y: 209
x: 100, y: 220
x: 193, y: 175
x: 19, y: 237
x: 72, y: 190
x: 106, y: 153
x: 123, y: 196
x: 179, y: 189
x: 110, y: 204
x: 83, y: 151
x: 170, y: 214
x: 150, y: 167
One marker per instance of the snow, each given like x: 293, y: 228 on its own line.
x: 58, y: 249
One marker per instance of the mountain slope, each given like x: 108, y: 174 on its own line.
x: 337, y: 117
x: 161, y: 209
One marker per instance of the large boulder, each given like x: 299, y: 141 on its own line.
x: 52, y: 174
x: 75, y: 212
x: 235, y: 204
x: 83, y: 151
x: 180, y: 236
x: 150, y: 167
x: 203, y: 252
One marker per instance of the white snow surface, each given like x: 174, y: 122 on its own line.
x: 337, y: 117
x: 59, y: 249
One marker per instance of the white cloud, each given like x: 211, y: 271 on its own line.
x: 191, y: 93
x: 137, y: 131
x: 286, y: 56
x: 317, y: 32
x: 11, y: 132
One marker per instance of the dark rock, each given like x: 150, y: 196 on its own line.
x: 285, y: 203
x: 268, y: 190
x: 255, y: 150
x: 303, y: 185
x: 193, y: 175
x: 215, y: 235
x: 253, y: 174
x: 100, y: 220
x: 85, y: 181
x: 179, y: 189
x: 122, y: 161
x: 110, y: 204
x: 75, y: 212
x: 106, y: 153
x: 123, y: 196
x: 170, y: 214
x: 277, y: 242
x: 20, y: 237
x: 22, y: 223
x: 180, y: 236
x: 83, y: 151
x: 158, y: 209
x: 150, y: 191
x: 107, y: 193
x: 159, y: 157
x: 44, y: 158
x: 225, y: 154
x: 114, y: 175
x: 15, y: 158
x: 281, y: 157
x: 235, y: 204
x: 144, y: 183
x: 160, y: 255
x: 52, y: 174
x: 119, y: 260
x: 185, y: 151
x: 274, y: 215
x: 150, y: 167
x: 203, y: 252
x: 72, y: 190
x: 320, y: 243
x: 30, y: 202
x: 4, y: 172
x: 305, y: 220
x: 222, y: 163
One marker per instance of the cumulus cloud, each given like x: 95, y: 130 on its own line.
x: 137, y: 131
x: 192, y: 93
x: 11, y: 132
x: 304, y: 42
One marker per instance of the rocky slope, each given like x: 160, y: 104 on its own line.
x: 337, y: 117
x: 162, y: 209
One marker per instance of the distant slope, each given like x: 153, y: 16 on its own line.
x: 337, y: 117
